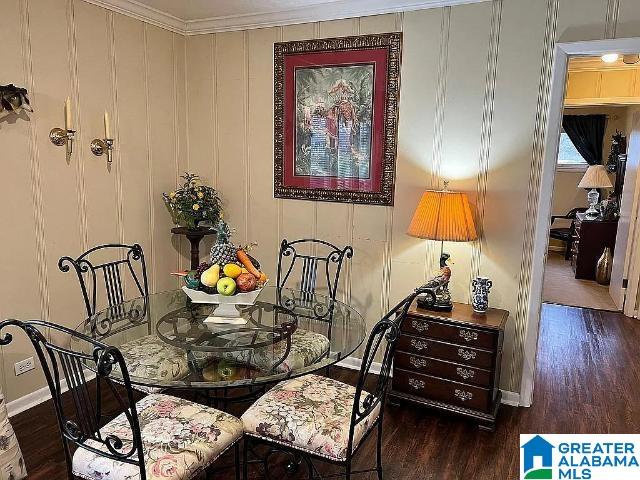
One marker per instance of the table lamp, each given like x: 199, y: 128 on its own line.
x: 442, y: 215
x: 595, y: 177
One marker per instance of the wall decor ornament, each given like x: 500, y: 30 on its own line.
x: 336, y: 118
x: 13, y: 100
x: 480, y: 294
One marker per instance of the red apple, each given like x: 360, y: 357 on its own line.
x: 246, y: 282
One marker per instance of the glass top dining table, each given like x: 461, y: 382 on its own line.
x: 167, y: 341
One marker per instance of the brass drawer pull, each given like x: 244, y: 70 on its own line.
x: 420, y: 326
x: 418, y: 362
x: 465, y: 373
x: 467, y: 354
x: 462, y: 395
x: 468, y: 335
x: 416, y: 384
x: 418, y: 344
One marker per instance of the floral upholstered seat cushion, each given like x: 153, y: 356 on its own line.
x: 306, y: 348
x: 311, y: 413
x: 180, y: 439
x: 150, y: 358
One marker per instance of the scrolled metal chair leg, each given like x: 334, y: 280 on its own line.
x: 379, y: 451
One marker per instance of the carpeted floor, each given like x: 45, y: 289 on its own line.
x: 560, y: 286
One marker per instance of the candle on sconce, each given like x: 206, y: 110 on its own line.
x: 67, y: 114
x: 107, y: 125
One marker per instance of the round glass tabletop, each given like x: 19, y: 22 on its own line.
x: 169, y: 341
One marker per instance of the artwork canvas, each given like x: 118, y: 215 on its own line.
x: 333, y: 121
x: 336, y: 118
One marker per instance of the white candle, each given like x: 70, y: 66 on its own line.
x: 67, y: 114
x: 107, y: 125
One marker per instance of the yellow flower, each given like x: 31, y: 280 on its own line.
x: 172, y: 194
x: 200, y: 195
x: 196, y: 207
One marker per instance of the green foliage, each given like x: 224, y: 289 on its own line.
x: 192, y: 203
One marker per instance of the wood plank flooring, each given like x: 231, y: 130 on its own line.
x: 588, y: 381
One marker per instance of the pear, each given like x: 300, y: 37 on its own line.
x: 210, y: 276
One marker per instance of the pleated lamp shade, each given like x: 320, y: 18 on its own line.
x: 443, y: 215
x: 595, y: 177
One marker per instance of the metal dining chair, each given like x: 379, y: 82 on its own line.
x: 315, y: 417
x: 112, y: 265
x: 320, y: 264
x: 160, y: 433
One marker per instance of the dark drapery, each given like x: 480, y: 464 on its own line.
x: 587, y: 134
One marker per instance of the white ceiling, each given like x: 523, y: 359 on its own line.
x: 192, y: 17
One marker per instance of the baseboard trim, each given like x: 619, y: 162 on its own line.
x: 41, y: 395
x: 353, y: 363
x: 555, y: 248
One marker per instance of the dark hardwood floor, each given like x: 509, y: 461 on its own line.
x: 587, y: 382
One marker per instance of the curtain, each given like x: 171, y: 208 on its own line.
x: 587, y: 134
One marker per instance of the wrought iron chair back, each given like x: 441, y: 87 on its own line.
x: 382, y: 340
x: 128, y: 257
x: 328, y: 266
x: 81, y: 419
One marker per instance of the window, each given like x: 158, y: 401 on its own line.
x: 569, y: 159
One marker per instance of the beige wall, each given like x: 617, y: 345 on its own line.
x: 471, y: 89
x: 474, y: 80
x: 103, y: 61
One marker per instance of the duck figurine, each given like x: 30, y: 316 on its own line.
x: 438, y: 297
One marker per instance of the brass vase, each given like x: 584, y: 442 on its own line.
x: 603, y: 267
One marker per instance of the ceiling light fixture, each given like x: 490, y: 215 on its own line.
x: 610, y: 57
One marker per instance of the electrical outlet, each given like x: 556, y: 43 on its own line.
x: 24, y: 366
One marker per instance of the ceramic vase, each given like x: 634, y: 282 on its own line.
x: 480, y: 294
x: 603, y: 267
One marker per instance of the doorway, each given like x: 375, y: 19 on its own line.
x: 602, y: 95
x: 555, y: 107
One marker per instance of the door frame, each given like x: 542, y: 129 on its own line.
x: 562, y: 53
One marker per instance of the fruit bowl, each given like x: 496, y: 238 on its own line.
x: 226, y: 303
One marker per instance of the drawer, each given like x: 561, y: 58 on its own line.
x: 432, y: 388
x: 442, y: 368
x: 447, y: 351
x: 451, y: 333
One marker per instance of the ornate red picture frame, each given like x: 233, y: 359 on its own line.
x: 336, y: 118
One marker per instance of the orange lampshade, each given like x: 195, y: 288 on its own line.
x: 443, y: 215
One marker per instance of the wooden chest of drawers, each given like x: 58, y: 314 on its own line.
x: 451, y: 361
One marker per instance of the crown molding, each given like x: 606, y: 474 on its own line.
x: 144, y: 13
x: 312, y: 13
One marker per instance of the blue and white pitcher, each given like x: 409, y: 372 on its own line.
x: 480, y: 294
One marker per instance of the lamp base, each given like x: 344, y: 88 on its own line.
x: 592, y: 199
x: 427, y: 302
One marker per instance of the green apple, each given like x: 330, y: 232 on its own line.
x: 226, y: 286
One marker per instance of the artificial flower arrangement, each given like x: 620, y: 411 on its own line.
x: 192, y: 203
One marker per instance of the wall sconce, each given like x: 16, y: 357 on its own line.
x: 59, y: 136
x: 101, y: 145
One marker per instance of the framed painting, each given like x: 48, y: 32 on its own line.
x: 336, y: 118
